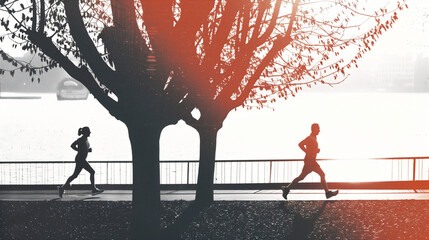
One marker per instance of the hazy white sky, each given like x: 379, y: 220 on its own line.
x: 410, y: 33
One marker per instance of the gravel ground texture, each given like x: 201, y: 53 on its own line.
x: 401, y: 219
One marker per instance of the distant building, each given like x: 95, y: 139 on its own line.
x: 402, y: 73
x: 402, y: 66
x: 421, y: 74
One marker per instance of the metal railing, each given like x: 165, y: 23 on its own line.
x: 226, y: 171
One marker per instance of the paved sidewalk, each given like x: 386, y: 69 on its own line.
x: 220, y: 195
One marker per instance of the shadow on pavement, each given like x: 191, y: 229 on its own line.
x: 303, y: 226
x: 55, y: 199
x: 89, y: 198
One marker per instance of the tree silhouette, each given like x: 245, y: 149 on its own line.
x: 126, y: 68
x: 151, y: 63
x: 250, y: 53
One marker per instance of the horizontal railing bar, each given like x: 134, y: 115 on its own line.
x: 220, y: 161
x: 393, y: 185
x: 69, y: 161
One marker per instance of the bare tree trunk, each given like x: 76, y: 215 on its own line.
x: 146, y: 183
x: 208, y: 137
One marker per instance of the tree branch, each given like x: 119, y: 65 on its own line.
x: 220, y: 38
x: 269, y: 30
x: 34, y: 18
x: 124, y: 40
x: 158, y: 19
x: 193, y: 15
x: 280, y: 43
x: 42, y: 16
x: 245, y: 26
x: 183, y: 48
x: 77, y: 29
x: 262, y: 7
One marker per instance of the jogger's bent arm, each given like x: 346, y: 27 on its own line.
x: 74, y: 145
x: 302, y: 145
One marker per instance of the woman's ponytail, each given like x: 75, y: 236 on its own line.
x: 84, y: 131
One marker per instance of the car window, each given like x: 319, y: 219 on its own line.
x: 70, y: 84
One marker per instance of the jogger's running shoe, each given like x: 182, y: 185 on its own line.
x: 96, y: 191
x: 60, y: 191
x: 330, y: 194
x: 285, y: 192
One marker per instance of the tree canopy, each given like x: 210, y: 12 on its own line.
x: 233, y: 52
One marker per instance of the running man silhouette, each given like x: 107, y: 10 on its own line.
x: 81, y: 145
x: 311, y: 148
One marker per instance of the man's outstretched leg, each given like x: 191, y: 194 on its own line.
x: 328, y: 193
x: 286, y: 189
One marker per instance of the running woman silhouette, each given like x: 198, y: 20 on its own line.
x: 81, y: 145
x: 311, y: 148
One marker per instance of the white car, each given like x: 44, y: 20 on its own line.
x: 70, y: 89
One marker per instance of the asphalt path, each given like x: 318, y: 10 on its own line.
x: 219, y: 195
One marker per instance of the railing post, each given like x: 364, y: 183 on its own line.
x: 271, y: 169
x: 187, y: 175
x: 414, y: 169
x: 107, y: 173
